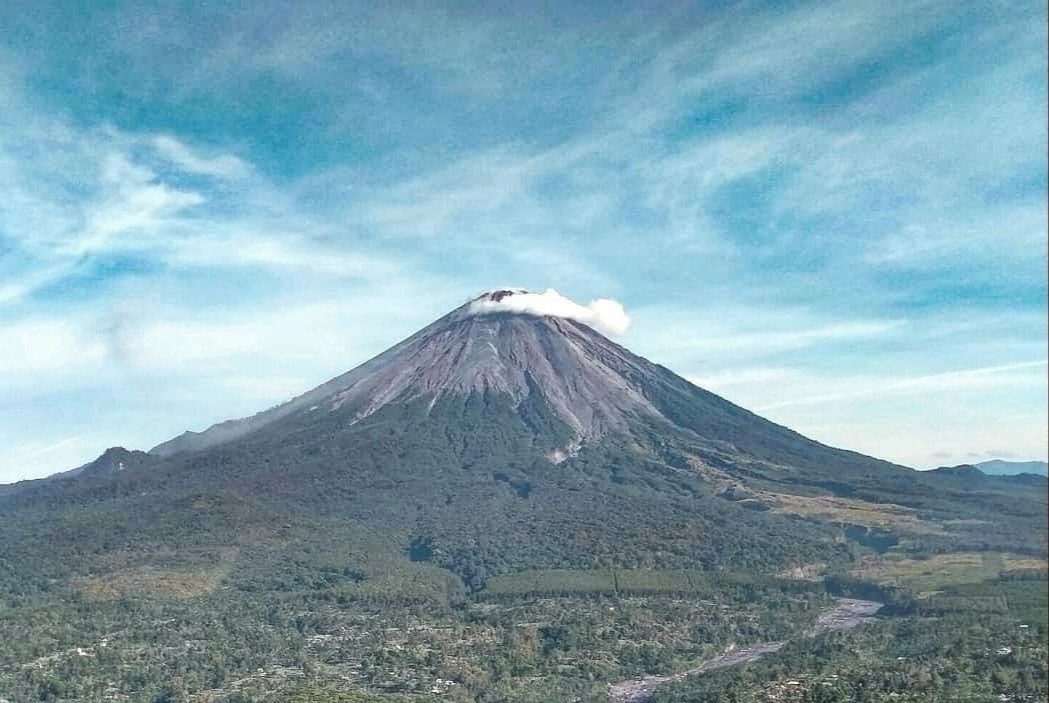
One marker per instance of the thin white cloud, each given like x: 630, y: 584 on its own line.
x: 771, y: 388
x: 182, y: 156
x: 965, y: 234
x: 33, y: 460
x: 731, y: 331
x: 932, y: 434
x: 17, y: 286
x: 780, y: 340
x: 603, y: 314
x: 732, y: 378
x: 260, y: 245
x: 293, y: 332
x: 140, y: 210
x: 922, y: 420
x: 97, y: 193
x: 949, y: 381
x: 42, y: 346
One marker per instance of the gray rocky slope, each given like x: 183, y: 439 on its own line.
x: 592, y: 384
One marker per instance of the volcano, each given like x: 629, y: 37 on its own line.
x: 503, y: 506
x: 509, y: 434
x: 584, y: 386
x: 590, y: 384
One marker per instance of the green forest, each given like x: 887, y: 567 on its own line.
x: 434, y: 553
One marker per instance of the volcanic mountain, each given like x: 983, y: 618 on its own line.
x: 497, y: 439
x: 583, y: 387
x: 590, y: 384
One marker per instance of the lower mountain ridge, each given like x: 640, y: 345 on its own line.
x: 491, y: 450
x: 998, y: 467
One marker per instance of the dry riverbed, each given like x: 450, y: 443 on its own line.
x: 845, y: 614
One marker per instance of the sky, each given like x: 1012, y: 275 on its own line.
x: 832, y: 213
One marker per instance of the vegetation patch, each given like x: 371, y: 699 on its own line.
x: 972, y: 642
x: 929, y: 573
x: 625, y: 582
x: 852, y: 511
x: 151, y: 582
x: 552, y: 582
x: 331, y: 695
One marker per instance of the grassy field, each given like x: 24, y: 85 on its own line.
x: 937, y: 571
x: 148, y: 581
x: 552, y: 581
x: 851, y: 511
x: 330, y: 695
x: 626, y: 582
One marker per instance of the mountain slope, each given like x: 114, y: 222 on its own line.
x: 592, y: 385
x: 583, y: 376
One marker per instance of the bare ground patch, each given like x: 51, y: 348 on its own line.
x: 152, y: 581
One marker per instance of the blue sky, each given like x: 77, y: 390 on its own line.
x: 832, y: 213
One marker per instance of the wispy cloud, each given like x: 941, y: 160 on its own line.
x: 28, y: 457
x: 727, y: 332
x: 116, y: 194
x: 185, y: 158
x: 962, y: 380
x: 919, y: 420
x: 780, y: 340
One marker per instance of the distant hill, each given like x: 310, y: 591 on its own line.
x: 998, y: 467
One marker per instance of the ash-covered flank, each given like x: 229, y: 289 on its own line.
x: 591, y: 383
x: 528, y: 351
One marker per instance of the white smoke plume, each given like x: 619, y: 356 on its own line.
x: 603, y: 314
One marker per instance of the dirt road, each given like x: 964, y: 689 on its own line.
x: 845, y: 614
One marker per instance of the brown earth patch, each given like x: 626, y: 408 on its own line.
x: 851, y: 511
x: 151, y: 581
x: 929, y: 573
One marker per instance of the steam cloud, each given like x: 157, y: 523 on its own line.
x: 604, y: 315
